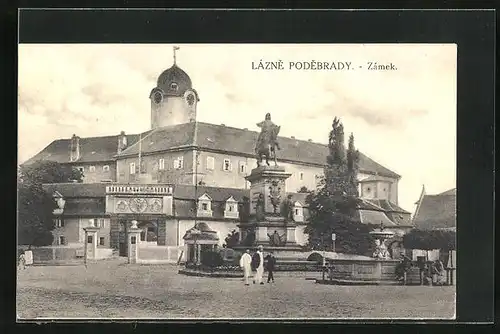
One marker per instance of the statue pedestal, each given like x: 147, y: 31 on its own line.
x: 267, y: 219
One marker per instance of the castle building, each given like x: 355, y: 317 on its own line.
x: 182, y: 170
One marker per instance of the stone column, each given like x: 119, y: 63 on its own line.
x: 134, y: 236
x: 198, y: 254
x: 90, y: 243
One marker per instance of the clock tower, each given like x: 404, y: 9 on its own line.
x: 173, y: 100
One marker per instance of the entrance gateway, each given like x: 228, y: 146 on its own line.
x: 149, y: 205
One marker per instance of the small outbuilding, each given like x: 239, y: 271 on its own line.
x: 199, y: 239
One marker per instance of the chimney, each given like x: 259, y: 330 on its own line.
x: 223, y: 124
x: 122, y: 141
x: 246, y: 129
x: 309, y: 140
x: 293, y: 137
x: 74, y: 153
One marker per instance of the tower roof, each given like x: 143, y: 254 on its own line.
x: 174, y: 81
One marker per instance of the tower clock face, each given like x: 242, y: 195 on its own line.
x: 157, y: 97
x: 190, y: 99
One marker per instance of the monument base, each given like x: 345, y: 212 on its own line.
x: 268, y: 248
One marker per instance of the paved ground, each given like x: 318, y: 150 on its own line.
x: 112, y: 289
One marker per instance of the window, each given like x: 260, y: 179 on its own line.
x: 179, y: 163
x: 204, y: 206
x: 101, y: 241
x: 102, y: 223
x: 161, y: 164
x: 132, y: 168
x: 62, y: 240
x: 230, y: 208
x: 296, y: 211
x: 174, y: 86
x: 92, y: 169
x: 105, y: 168
x: 210, y: 163
x: 301, y: 176
x: 226, y: 166
x: 243, y: 167
x: 81, y: 169
x: 368, y: 189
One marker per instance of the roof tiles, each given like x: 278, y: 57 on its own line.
x: 203, y: 135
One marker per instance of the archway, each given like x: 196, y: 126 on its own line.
x: 149, y: 231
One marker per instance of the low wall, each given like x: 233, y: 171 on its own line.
x: 159, y: 254
x: 44, y: 254
x: 60, y: 254
x: 364, y: 270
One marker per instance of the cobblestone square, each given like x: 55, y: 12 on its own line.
x: 113, y: 289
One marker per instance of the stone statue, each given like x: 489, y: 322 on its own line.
x: 259, y: 207
x: 274, y: 196
x: 381, y: 250
x: 275, y: 239
x: 267, y: 141
x: 288, y: 207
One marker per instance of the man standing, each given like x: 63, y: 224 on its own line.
x: 258, y: 264
x: 271, y: 262
x: 245, y: 264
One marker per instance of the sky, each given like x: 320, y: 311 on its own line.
x: 405, y: 119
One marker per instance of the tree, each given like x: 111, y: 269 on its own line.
x: 430, y: 239
x: 334, y: 206
x: 303, y: 189
x: 35, y: 206
x: 50, y: 172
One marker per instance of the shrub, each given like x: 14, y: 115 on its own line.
x: 211, y: 259
x: 430, y: 239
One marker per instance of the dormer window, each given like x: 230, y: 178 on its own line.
x: 204, y: 206
x: 161, y: 164
x: 298, y: 212
x: 105, y: 168
x: 92, y: 169
x: 231, y: 209
x: 174, y: 86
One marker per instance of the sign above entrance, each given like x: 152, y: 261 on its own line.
x: 140, y: 189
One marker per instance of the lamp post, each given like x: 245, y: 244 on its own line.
x: 334, y: 236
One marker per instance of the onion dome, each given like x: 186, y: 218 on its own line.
x: 174, y: 81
